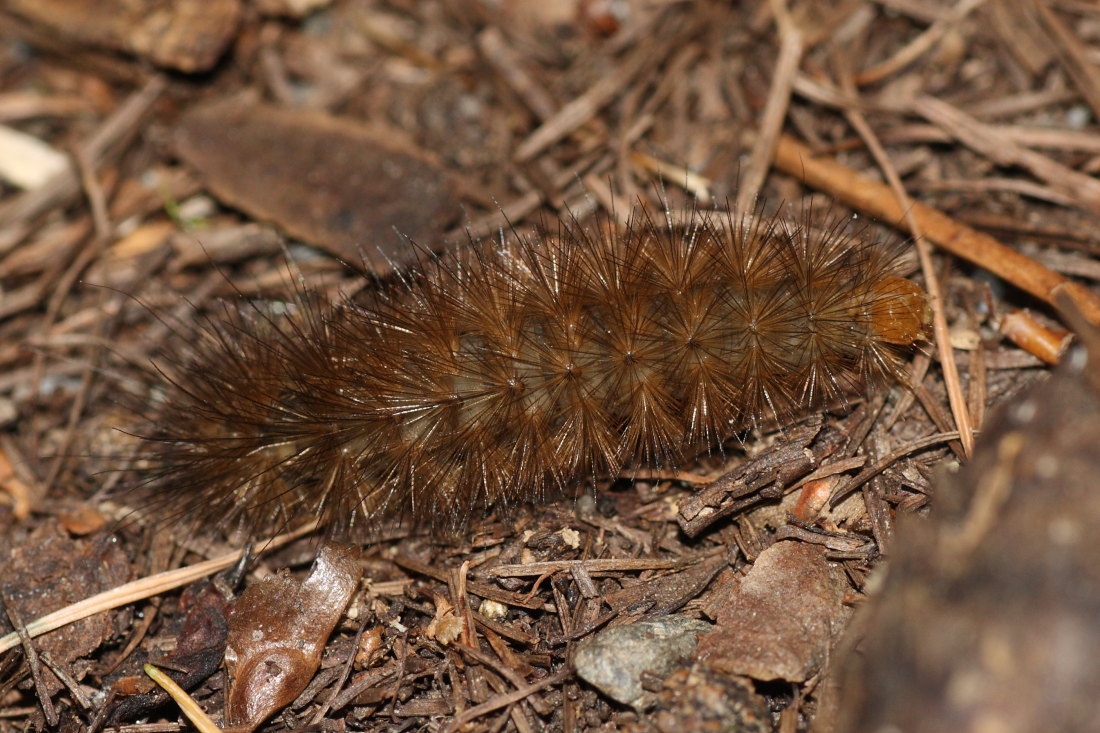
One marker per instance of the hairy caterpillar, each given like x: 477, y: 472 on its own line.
x: 512, y: 370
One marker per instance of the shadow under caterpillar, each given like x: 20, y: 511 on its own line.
x: 511, y: 370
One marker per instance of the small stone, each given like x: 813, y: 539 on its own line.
x: 614, y: 660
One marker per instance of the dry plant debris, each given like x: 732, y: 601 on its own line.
x: 981, y: 119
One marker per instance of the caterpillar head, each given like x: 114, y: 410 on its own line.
x: 899, y: 311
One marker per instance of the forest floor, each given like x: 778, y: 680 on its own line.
x: 155, y: 165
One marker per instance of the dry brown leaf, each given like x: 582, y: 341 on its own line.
x: 780, y: 620
x: 200, y: 645
x: 277, y: 631
x: 330, y: 181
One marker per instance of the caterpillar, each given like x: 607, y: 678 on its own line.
x: 514, y: 369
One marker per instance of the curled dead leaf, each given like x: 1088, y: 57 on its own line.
x: 277, y: 632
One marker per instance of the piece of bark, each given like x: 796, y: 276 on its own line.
x: 988, y: 617
x: 50, y: 570
x: 667, y: 593
x: 187, y: 35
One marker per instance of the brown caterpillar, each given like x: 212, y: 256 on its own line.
x: 512, y: 370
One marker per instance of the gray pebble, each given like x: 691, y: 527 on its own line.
x: 613, y: 660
